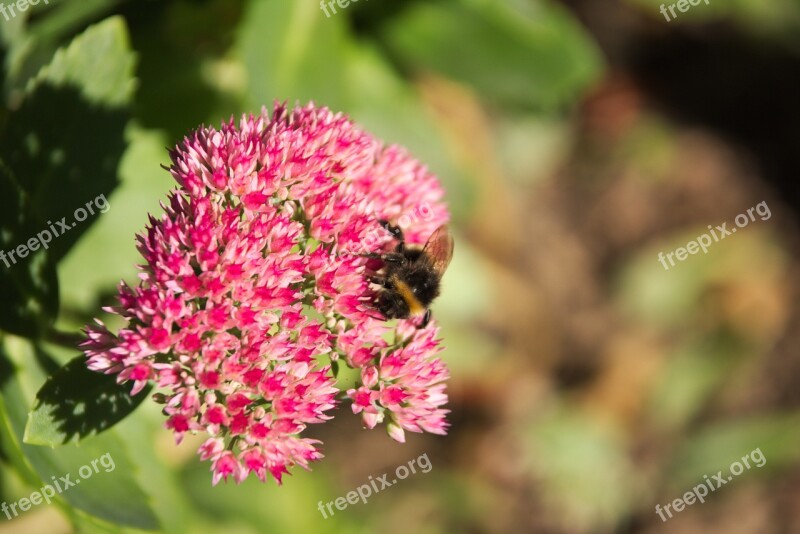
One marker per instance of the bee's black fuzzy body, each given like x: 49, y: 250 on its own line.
x: 412, y: 277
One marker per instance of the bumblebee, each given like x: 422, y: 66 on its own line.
x: 411, y: 276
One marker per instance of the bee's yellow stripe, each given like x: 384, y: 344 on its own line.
x: 414, y: 305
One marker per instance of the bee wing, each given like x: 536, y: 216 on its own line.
x: 440, y: 248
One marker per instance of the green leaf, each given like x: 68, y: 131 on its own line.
x: 694, y: 373
x: 86, y: 87
x: 144, y: 184
x: 98, y: 63
x: 668, y: 299
x: 577, y: 457
x: 262, y: 509
x: 715, y: 447
x: 76, y: 403
x: 48, y: 173
x: 111, y: 493
x: 186, y: 75
x: 533, y: 55
x: 386, y: 105
x: 168, y: 493
x: 301, y: 59
x: 310, y: 57
x: 38, y: 32
x: 28, y: 286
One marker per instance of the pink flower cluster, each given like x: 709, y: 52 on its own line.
x: 253, y: 291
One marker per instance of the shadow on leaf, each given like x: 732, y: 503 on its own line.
x: 64, y: 152
x: 75, y: 403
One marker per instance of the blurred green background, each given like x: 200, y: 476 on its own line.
x: 576, y: 139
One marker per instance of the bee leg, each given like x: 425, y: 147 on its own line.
x: 425, y: 319
x: 391, y: 257
x: 397, y: 232
x: 380, y: 316
x: 394, y: 257
x: 380, y: 280
x: 393, y: 229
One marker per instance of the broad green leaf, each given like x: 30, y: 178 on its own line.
x: 311, y: 57
x: 383, y: 103
x: 144, y: 184
x: 40, y: 30
x: 668, y: 298
x: 110, y: 493
x: 28, y: 285
x: 65, y: 140
x: 579, y: 458
x: 717, y: 446
x: 694, y: 372
x: 186, y: 79
x: 98, y: 63
x: 533, y: 55
x: 292, y: 508
x: 152, y: 450
x: 76, y: 403
x: 292, y: 52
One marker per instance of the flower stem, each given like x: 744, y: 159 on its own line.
x: 69, y: 340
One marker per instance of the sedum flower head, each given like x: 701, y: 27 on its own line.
x: 253, y: 289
